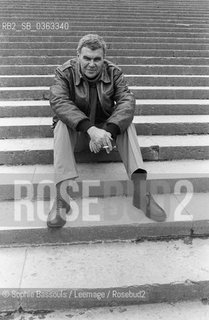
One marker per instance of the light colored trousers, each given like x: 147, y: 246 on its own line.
x: 67, y: 140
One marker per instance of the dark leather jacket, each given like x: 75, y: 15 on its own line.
x: 69, y: 95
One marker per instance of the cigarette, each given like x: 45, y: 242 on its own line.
x: 107, y: 147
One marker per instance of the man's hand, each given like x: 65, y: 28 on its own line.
x: 98, y: 139
x: 94, y: 147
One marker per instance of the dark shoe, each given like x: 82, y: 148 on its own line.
x: 57, y: 215
x: 154, y: 211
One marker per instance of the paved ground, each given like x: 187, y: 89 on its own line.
x: 180, y: 311
x: 104, y: 265
x: 92, y: 275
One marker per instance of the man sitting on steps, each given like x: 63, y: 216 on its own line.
x: 94, y: 109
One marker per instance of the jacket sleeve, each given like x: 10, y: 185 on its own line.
x: 61, y: 100
x: 123, y: 113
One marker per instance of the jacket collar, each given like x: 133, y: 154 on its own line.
x: 104, y: 76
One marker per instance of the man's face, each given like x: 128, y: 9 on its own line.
x: 91, y: 61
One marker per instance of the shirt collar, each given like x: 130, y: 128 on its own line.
x: 104, y: 75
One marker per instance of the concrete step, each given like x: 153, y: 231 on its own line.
x: 179, y: 21
x: 26, y: 80
x: 27, y: 69
x: 184, y: 16
x: 117, y: 45
x: 132, y: 79
x: 166, y: 80
x: 177, y: 92
x: 151, y: 70
x: 29, y: 108
x: 19, y: 21
x: 29, y: 93
x: 116, y: 21
x: 172, y: 125
x: 181, y: 310
x: 23, y: 222
x: 32, y: 127
x: 103, y: 12
x: 127, y: 69
x: 171, y: 107
x: 184, y: 19
x: 154, y: 148
x: 133, y: 5
x: 111, y: 52
x: 109, y: 39
x: 104, y: 179
x: 22, y: 216
x: 191, y: 4
x: 154, y: 21
x: 147, y: 33
x: 41, y: 108
x: 143, y: 92
x: 149, y: 10
x: 143, y: 4
x: 98, y: 275
x: 120, y: 60
x: 35, y: 25
x: 108, y: 24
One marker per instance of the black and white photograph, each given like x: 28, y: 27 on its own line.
x: 104, y: 159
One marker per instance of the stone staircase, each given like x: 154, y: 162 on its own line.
x: 162, y: 47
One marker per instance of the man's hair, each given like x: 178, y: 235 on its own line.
x: 93, y: 42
